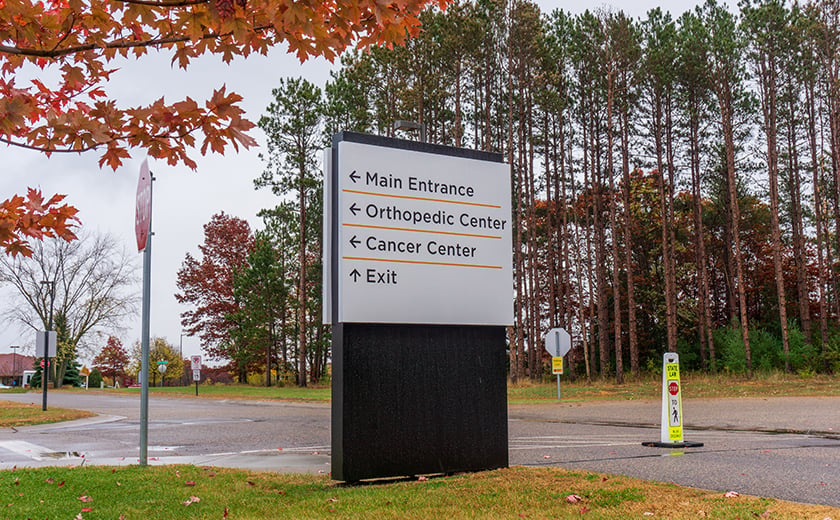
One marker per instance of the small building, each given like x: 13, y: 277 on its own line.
x: 12, y: 367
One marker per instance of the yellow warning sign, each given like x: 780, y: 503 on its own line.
x: 557, y: 365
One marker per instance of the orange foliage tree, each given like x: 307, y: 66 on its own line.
x: 79, y: 39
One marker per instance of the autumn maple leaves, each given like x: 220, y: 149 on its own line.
x: 79, y: 40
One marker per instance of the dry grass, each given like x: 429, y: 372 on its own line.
x: 697, y: 385
x: 13, y: 415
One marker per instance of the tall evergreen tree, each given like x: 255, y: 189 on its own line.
x: 293, y: 126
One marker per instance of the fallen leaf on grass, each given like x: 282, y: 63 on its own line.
x: 50, y: 480
x: 731, y: 494
x: 584, y: 509
x: 333, y: 499
x: 192, y: 500
x: 574, y: 499
x: 87, y: 509
x: 61, y: 483
x: 189, y: 483
x: 648, y: 513
x: 85, y: 498
x: 251, y: 483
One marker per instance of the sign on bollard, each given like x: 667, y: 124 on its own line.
x: 558, y: 343
x: 671, y: 429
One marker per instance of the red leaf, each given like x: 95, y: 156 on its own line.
x: 189, y: 483
x: 85, y: 498
x: 87, y: 509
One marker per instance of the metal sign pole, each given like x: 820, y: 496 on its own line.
x: 144, y: 343
x: 45, y: 372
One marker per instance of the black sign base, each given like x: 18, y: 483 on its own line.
x: 685, y: 444
x: 417, y: 399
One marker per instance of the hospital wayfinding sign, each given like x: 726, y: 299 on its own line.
x: 421, y: 235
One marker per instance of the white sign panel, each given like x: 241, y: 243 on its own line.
x: 195, y: 362
x: 558, y: 342
x: 196, y: 375
x: 41, y: 339
x: 422, y: 237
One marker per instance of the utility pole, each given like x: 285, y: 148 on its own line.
x: 181, y: 355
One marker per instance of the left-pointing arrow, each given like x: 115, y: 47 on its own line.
x: 355, y: 241
x: 354, y: 176
x: 355, y: 209
x: 355, y: 274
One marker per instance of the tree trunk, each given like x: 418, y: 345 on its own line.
x: 302, y: 287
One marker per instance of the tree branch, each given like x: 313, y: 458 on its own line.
x: 49, y: 150
x: 165, y: 3
x: 57, y: 53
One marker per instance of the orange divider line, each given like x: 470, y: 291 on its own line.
x: 421, y: 262
x: 422, y: 231
x: 423, y: 198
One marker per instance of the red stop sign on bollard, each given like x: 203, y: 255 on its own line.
x: 673, y: 388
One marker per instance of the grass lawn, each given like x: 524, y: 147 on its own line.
x: 13, y: 415
x: 187, y: 492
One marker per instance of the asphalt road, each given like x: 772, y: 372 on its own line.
x: 782, y: 447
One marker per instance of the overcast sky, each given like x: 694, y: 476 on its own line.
x: 183, y: 200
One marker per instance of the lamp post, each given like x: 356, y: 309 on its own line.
x: 45, y: 373
x: 14, y: 361
x: 401, y: 124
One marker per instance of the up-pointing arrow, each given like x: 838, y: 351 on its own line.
x: 355, y: 241
x: 355, y: 209
x: 355, y: 274
x: 354, y: 176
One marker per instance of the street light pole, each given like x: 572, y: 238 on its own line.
x: 45, y: 373
x: 181, y: 355
x: 14, y: 361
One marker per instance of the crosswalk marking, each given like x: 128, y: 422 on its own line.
x: 27, y: 449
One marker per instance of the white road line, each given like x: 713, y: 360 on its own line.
x: 568, y: 446
x: 27, y: 449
